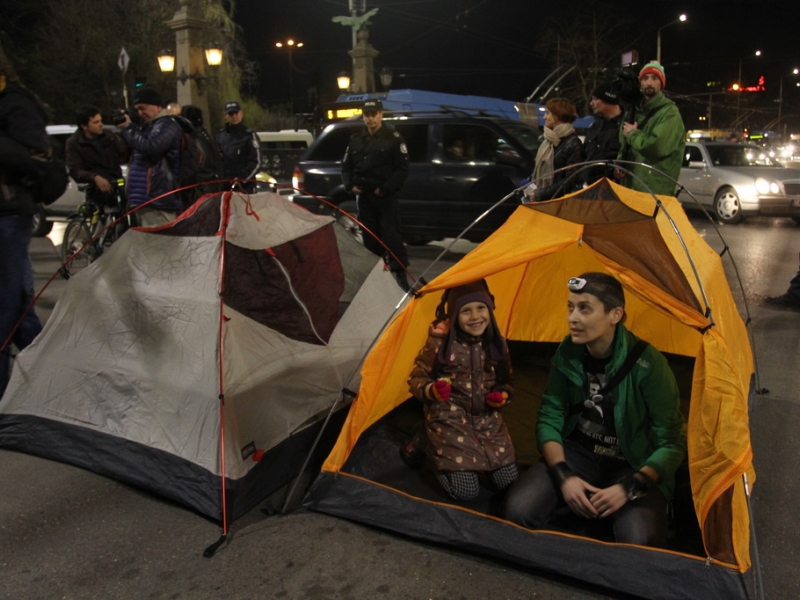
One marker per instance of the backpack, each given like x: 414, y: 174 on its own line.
x: 51, y: 181
x: 190, y: 163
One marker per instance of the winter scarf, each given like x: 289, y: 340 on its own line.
x: 543, y: 172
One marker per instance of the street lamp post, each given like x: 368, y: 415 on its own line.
x: 343, y: 81
x: 290, y: 45
x: 680, y: 19
x: 166, y: 62
x: 187, y: 25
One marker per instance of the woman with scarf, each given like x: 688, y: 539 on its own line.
x: 561, y: 147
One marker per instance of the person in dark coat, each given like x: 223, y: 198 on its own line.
x: 239, y: 147
x: 602, y: 139
x: 211, y: 167
x: 374, y: 168
x: 560, y: 147
x: 95, y: 156
x: 463, y: 377
x: 156, y: 145
x: 23, y: 145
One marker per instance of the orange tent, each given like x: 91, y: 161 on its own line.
x: 678, y: 299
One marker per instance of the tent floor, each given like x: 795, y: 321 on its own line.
x: 377, y: 454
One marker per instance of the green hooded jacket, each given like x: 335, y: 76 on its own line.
x: 646, y: 406
x: 659, y: 143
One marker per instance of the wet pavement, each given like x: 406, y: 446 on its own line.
x: 67, y: 533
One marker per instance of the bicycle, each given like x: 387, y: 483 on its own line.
x: 88, y: 233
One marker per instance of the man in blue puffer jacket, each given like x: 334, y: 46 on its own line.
x: 156, y: 145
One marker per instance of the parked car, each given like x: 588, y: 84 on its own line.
x: 444, y: 193
x: 280, y: 151
x: 739, y: 180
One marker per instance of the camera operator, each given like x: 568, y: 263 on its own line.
x: 156, y: 146
x: 602, y: 139
x: 653, y: 133
x: 94, y: 156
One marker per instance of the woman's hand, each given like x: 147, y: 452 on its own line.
x: 576, y: 494
x: 609, y: 500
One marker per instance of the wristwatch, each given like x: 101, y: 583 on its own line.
x: 636, y: 485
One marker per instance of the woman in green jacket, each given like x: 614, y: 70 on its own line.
x: 607, y: 451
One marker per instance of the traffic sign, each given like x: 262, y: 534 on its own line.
x: 123, y: 60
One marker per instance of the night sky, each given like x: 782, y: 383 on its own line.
x: 486, y: 47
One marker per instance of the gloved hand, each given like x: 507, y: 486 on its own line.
x: 440, y: 390
x: 497, y: 398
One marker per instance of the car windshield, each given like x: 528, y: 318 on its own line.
x: 740, y: 156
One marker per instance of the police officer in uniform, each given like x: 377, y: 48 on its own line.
x: 374, y: 168
x: 239, y: 147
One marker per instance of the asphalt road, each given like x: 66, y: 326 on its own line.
x: 67, y: 533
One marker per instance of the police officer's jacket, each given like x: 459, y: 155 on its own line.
x: 240, y: 150
x: 376, y: 161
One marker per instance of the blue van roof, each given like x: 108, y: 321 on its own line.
x: 422, y: 100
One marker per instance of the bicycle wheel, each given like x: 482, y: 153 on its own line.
x: 75, y: 237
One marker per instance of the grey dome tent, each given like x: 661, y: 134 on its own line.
x: 197, y: 359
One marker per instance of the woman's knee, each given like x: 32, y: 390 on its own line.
x: 530, y: 501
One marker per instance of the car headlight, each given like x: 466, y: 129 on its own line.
x: 767, y: 187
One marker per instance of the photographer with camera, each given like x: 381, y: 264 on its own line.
x: 653, y: 134
x: 156, y: 145
x: 95, y: 156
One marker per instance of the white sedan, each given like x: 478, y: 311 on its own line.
x: 738, y: 180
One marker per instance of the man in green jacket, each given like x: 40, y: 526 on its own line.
x: 606, y: 452
x: 655, y: 138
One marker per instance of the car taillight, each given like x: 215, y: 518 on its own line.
x: 298, y: 179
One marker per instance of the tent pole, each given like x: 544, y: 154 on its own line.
x: 225, y: 217
x: 759, y: 583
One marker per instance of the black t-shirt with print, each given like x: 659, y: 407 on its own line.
x: 596, y: 422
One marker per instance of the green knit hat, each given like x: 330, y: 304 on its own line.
x: 656, y: 69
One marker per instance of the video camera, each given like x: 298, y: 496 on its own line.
x: 118, y: 116
x: 626, y: 85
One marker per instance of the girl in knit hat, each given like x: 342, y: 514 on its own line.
x: 463, y: 377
